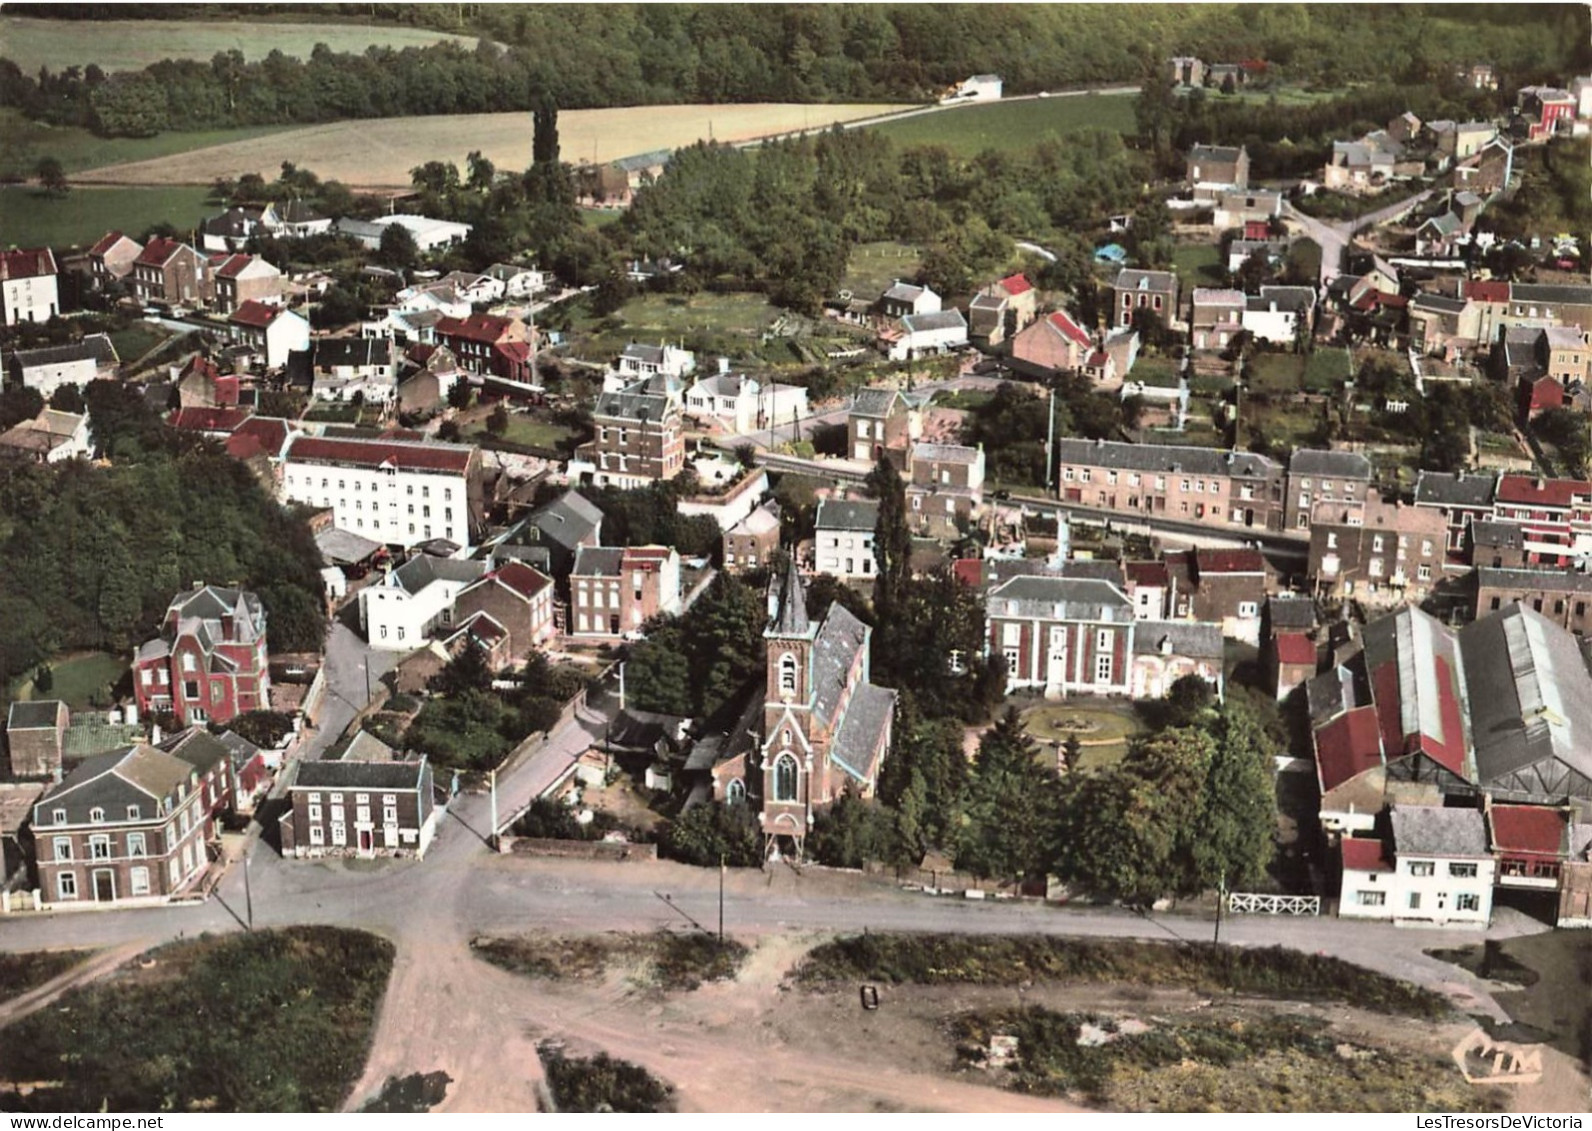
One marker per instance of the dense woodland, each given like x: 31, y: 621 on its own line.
x: 93, y: 554
x: 636, y: 54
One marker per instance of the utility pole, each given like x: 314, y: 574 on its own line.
x: 492, y: 777
x: 1050, y: 440
x: 248, y: 896
x: 1221, y: 899
x: 721, y: 901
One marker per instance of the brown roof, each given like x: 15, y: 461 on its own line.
x: 27, y: 264
x: 106, y: 242
x: 376, y: 453
x: 476, y: 328
x: 158, y: 251
x: 210, y: 419
x: 254, y: 313
x: 523, y: 579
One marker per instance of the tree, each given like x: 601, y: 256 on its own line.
x: 1188, y: 699
x: 438, y: 178
x: 709, y: 834
x: 892, y: 540
x: 498, y: 422
x: 459, y: 394
x: 19, y: 403
x: 44, y: 679
x: 544, y: 137
x: 449, y: 432
x: 1011, y: 806
x: 1235, y: 833
x: 853, y: 832
x: 481, y: 171
x: 398, y: 248
x: 467, y: 671
x: 52, y: 177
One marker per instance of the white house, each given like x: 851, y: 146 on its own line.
x: 399, y: 613
x: 27, y: 286
x: 49, y: 367
x: 1437, y: 869
x: 474, y: 288
x: 978, y: 88
x: 398, y: 492
x: 429, y: 234
x: 638, y: 361
x: 438, y: 295
x: 345, y: 366
x: 919, y: 335
x: 272, y: 331
x: 743, y: 404
x: 51, y: 437
x: 1274, y: 315
x: 518, y: 282
x: 843, y: 538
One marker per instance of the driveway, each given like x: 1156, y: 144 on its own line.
x: 352, y: 668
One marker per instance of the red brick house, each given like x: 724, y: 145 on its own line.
x: 880, y: 421
x: 209, y: 662
x: 212, y: 762
x: 112, y: 258
x: 489, y: 345
x: 358, y: 808
x: 244, y: 278
x: 121, y: 827
x: 1064, y: 635
x: 171, y: 273
x: 517, y: 597
x: 1054, y: 342
x: 613, y: 592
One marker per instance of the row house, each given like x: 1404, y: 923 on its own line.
x: 112, y: 257
x: 490, y: 346
x: 1386, y: 554
x: 517, y: 599
x: 28, y: 291
x: 398, y: 492
x: 1338, y: 482
x: 1227, y: 588
x: 122, y: 828
x: 360, y: 809
x: 1462, y: 498
x: 1562, y: 596
x: 1502, y: 545
x: 1434, y: 866
x: 210, y: 661
x: 843, y: 538
x: 1218, y: 317
x: 1555, y: 516
x: 171, y: 273
x: 1224, y: 489
x: 947, y: 481
x: 1440, y: 326
x: 1502, y: 305
x: 244, y: 278
x: 1133, y: 290
x: 1055, y: 343
x: 411, y: 603
x: 639, y: 440
x: 614, y: 591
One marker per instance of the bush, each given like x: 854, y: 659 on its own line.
x: 711, y: 834
x: 602, y: 1083
x: 265, y: 729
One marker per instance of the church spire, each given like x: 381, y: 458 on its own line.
x: 787, y: 603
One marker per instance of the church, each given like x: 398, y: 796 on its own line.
x: 819, y: 727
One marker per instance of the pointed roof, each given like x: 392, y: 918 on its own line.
x: 789, y: 616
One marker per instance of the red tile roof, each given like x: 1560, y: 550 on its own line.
x: 106, y: 242
x: 1347, y: 746
x: 644, y: 554
x: 1530, y: 829
x: 1487, y: 290
x: 256, y: 314
x: 376, y: 453
x: 1552, y: 493
x: 210, y: 419
x: 1067, y: 327
x: 476, y: 328
x: 515, y: 351
x: 270, y: 432
x: 1229, y: 561
x: 201, y: 365
x: 1362, y: 854
x: 158, y: 251
x: 1295, y: 648
x: 969, y: 571
x: 27, y: 264
x: 1146, y: 573
x: 1098, y: 359
x: 1256, y: 229
x: 523, y: 579
x: 233, y: 264
x: 1015, y: 285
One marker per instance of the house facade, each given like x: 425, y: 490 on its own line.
x: 519, y: 599
x: 271, y: 331
x: 411, y: 603
x: 360, y: 809
x: 244, y: 278
x: 489, y: 345
x: 1337, y: 482
x: 880, y: 421
x: 843, y: 538
x: 1201, y: 485
x: 1386, y: 554
x: 28, y: 291
x: 171, y: 273
x: 638, y: 441
x: 111, y: 259
x: 35, y: 734
x: 614, y: 591
x: 1054, y: 342
x: 1134, y: 290
x: 750, y: 543
x: 210, y: 661
x: 1063, y: 635
x: 1436, y: 867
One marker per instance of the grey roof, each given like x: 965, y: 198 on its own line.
x: 422, y: 569
x: 859, y: 514
x: 1444, y: 489
x: 1195, y: 639
x: 344, y: 547
x: 874, y: 402
x: 567, y: 519
x: 1215, y: 152
x: 938, y: 320
x: 1290, y: 298
x: 112, y: 780
x: 628, y: 405
x: 1442, y: 304
x: 1530, y: 704
x: 1330, y: 465
x: 353, y: 351
x: 867, y: 716
x: 1291, y: 612
x: 1446, y: 223
x: 638, y: 161
x: 240, y: 748
x: 503, y: 272
x: 1544, y: 580
x: 945, y: 453
x: 724, y: 384
x: 1499, y: 535
x: 1466, y: 199
x: 598, y: 561
x: 38, y: 714
x: 1426, y: 830
x: 788, y: 604
x: 198, y: 747
x: 362, y: 775
x: 638, y: 351
x: 1060, y: 598
x: 94, y: 347
x: 1132, y: 279
x: 1572, y: 293
x: 835, y: 649
x: 904, y: 292
x: 1164, y: 458
x: 988, y: 302
x: 1103, y: 570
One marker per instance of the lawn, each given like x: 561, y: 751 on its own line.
x: 872, y: 267
x: 1276, y: 372
x: 1199, y: 265
x: 1103, y: 732
x: 528, y: 430
x: 969, y: 130
x: 24, y: 142
x: 22, y: 973
x: 260, y: 1021
x: 137, y: 340
x: 730, y: 325
x: 29, y: 219
x: 1326, y: 369
x: 132, y: 45
x: 1157, y: 372
x: 1282, y: 421
x: 76, y: 680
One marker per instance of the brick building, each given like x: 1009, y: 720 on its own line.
x: 638, y: 441
x: 614, y: 591
x: 35, y: 737
x: 363, y: 809
x: 209, y: 662
x: 1186, y: 484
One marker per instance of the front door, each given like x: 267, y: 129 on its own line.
x: 366, y: 842
x: 104, y: 885
x: 1056, y: 673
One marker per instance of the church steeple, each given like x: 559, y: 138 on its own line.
x: 787, y: 604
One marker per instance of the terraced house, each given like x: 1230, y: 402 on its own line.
x: 1184, y: 484
x: 126, y: 827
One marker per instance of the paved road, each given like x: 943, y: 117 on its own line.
x: 352, y: 668
x: 1334, y: 237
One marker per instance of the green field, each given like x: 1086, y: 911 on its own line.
x: 23, y: 143
x: 969, y: 130
x: 726, y: 324
x: 1157, y: 372
x: 1199, y: 265
x: 76, y: 680
x: 872, y: 267
x: 30, y: 219
x: 526, y: 429
x: 132, y: 45
x: 1103, y: 731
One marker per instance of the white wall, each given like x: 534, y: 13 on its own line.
x: 834, y: 549
x: 389, y: 508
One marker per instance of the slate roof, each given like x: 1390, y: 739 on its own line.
x: 788, y: 603
x: 1060, y: 598
x: 1164, y: 458
x: 858, y: 515
x: 1497, y: 535
x: 422, y: 569
x: 938, y: 320
x: 361, y: 746
x: 627, y: 405
x: 1195, y: 640
x: 1225, y: 153
x: 567, y: 519
x: 904, y: 292
x: 840, y: 638
x: 199, y: 748
x: 944, y: 453
x: 857, y: 743
x: 37, y: 714
x: 598, y: 561
x: 94, y: 347
x: 361, y: 775
x: 361, y: 352
x: 114, y: 780
x: 874, y: 402
x: 1105, y: 570
x: 1571, y: 294
x: 1423, y: 830
x: 1329, y: 465
x: 1132, y: 279
x: 344, y: 547
x: 1291, y: 613
x: 1442, y: 488
x: 1545, y: 580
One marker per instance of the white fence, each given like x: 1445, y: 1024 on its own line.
x: 1257, y: 904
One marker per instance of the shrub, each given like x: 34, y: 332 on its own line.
x: 602, y: 1083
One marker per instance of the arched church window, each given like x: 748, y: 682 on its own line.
x: 785, y: 778
x: 787, y: 674
x: 735, y: 792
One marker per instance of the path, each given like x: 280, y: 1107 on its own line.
x: 1335, y: 237
x: 94, y: 968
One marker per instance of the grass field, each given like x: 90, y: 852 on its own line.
x: 24, y: 142
x: 379, y: 152
x: 969, y: 130
x: 76, y: 680
x: 132, y: 45
x: 727, y: 324
x: 1157, y: 372
x: 21, y: 973
x: 872, y: 267
x: 1199, y: 265
x: 1103, y: 732
x: 526, y: 429
x: 29, y: 219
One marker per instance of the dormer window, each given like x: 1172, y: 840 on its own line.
x: 59, y: 816
x: 96, y: 815
x: 132, y: 813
